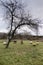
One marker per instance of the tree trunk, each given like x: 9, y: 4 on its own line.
x: 21, y: 41
x: 8, y: 43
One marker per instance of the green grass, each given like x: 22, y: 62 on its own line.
x: 21, y: 54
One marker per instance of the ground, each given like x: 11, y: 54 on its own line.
x: 21, y: 54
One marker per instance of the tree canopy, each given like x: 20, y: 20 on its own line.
x: 17, y: 16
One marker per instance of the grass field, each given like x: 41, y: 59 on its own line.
x: 21, y: 54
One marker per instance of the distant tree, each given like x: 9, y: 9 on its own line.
x: 15, y: 13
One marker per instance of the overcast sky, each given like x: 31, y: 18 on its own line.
x: 36, y: 10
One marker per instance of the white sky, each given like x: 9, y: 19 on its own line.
x: 34, y: 6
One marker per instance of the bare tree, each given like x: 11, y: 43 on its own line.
x: 17, y: 16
